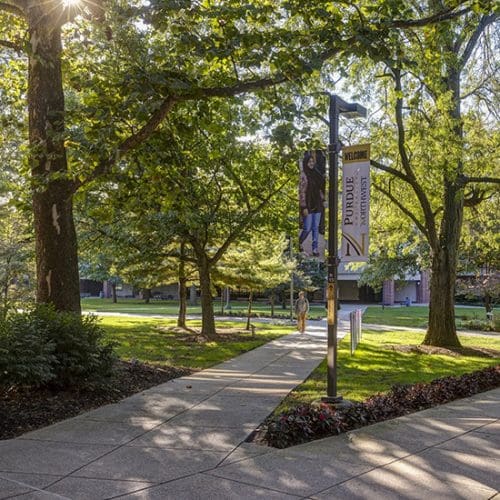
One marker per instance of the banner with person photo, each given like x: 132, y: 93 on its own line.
x: 355, y: 203
x: 312, y: 204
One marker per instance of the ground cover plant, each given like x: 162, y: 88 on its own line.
x: 418, y: 316
x: 150, y: 351
x: 309, y: 422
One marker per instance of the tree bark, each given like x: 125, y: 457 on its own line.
x: 272, y: 304
x: 3, y: 309
x: 113, y: 291
x: 488, y: 303
x: 442, y: 330
x: 249, y: 312
x: 192, y: 296
x: 181, y: 318
x: 55, y: 235
x: 207, y: 311
x: 146, y: 295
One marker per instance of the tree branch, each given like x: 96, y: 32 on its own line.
x: 444, y: 15
x: 471, y: 44
x: 491, y: 180
x: 11, y: 45
x: 400, y: 123
x: 131, y: 142
x: 474, y: 198
x: 480, y: 86
x: 390, y: 170
x: 231, y: 90
x: 12, y: 9
x: 244, y: 222
x: 411, y: 179
x: 162, y: 112
x: 405, y: 210
x: 239, y: 183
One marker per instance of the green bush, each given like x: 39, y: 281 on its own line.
x: 480, y: 324
x: 44, y: 346
x: 26, y: 358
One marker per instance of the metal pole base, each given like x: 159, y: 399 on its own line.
x: 332, y: 399
x: 337, y: 401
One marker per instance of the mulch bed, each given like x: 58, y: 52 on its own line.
x: 27, y: 409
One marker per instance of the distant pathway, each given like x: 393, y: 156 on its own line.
x: 314, y: 327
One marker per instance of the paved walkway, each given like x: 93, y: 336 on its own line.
x: 185, y: 440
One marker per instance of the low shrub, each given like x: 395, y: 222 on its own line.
x: 484, y: 325
x: 309, y: 422
x: 43, y: 346
x: 26, y: 358
x: 304, y: 423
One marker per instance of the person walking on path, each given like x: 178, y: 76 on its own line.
x: 301, y: 310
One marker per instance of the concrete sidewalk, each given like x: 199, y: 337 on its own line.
x: 185, y: 440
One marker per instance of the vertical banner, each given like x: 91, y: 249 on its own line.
x: 355, y: 203
x: 312, y: 204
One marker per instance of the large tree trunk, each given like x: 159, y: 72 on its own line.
x: 442, y: 330
x: 55, y: 236
x: 146, y: 295
x: 207, y: 311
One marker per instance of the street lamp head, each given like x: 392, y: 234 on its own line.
x: 353, y: 110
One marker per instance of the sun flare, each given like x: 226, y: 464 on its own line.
x: 70, y: 3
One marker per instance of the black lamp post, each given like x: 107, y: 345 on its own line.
x: 337, y: 107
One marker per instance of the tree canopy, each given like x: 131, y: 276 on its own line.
x: 131, y: 97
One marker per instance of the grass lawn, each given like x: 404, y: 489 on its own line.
x: 171, y: 307
x: 416, y: 316
x: 375, y: 367
x: 158, y: 341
